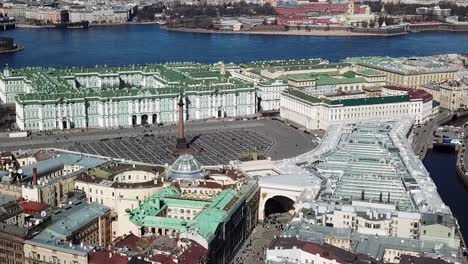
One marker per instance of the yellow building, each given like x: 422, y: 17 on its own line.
x: 451, y: 95
x: 409, y: 72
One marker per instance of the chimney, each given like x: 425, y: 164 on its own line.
x: 34, y: 175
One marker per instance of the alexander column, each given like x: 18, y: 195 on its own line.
x: 181, y: 140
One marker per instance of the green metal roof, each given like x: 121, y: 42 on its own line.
x: 301, y: 77
x: 50, y: 85
x: 306, y: 97
x: 206, y: 222
x: 348, y: 102
x: 370, y: 73
x: 333, y: 80
x: 282, y: 63
x: 372, y: 100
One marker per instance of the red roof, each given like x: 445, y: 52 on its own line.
x: 420, y: 94
x: 30, y: 207
x: 194, y: 254
x: 101, y: 257
x: 162, y: 259
x: 129, y: 242
x: 397, y: 88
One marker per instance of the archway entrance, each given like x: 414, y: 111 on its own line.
x: 454, y: 117
x: 144, y: 120
x: 278, y: 204
x: 155, y: 119
x: 259, y: 104
x: 134, y: 120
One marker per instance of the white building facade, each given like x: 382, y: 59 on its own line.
x: 315, y: 113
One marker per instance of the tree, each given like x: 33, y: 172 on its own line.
x: 363, y: 195
x: 380, y: 197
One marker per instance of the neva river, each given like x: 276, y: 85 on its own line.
x: 139, y: 44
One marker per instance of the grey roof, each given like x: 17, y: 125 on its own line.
x: 66, y: 223
x: 17, y: 231
x: 82, y: 161
x: 10, y: 209
x: 309, y: 232
x: 406, y: 259
x: 375, y: 246
x: 439, y: 218
x: 5, y: 198
x: 294, y: 182
x: 66, y: 247
x: 4, y: 173
x: 44, y: 168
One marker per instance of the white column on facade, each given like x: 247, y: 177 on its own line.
x: 138, y: 121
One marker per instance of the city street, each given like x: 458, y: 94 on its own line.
x: 254, y: 249
x: 422, y: 134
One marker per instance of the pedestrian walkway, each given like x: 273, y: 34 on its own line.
x: 254, y: 249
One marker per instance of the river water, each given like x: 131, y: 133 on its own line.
x: 139, y: 44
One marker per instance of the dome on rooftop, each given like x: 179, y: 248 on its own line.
x: 186, y: 167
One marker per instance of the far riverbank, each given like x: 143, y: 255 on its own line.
x: 331, y: 33
x: 29, y: 26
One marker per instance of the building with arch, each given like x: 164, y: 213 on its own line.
x: 363, y: 182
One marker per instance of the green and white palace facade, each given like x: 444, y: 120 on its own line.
x: 112, y: 97
x: 312, y: 93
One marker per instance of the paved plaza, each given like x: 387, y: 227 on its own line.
x: 210, y: 148
x: 215, y: 142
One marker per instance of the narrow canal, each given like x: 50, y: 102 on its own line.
x: 441, y: 164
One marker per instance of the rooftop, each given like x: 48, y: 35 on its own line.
x: 405, y: 66
x: 100, y: 257
x: 282, y: 63
x: 50, y: 85
x: 186, y: 167
x: 311, y: 99
x: 205, y: 223
x: 66, y: 223
x: 375, y: 246
x: 407, y: 259
x: 323, y: 250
